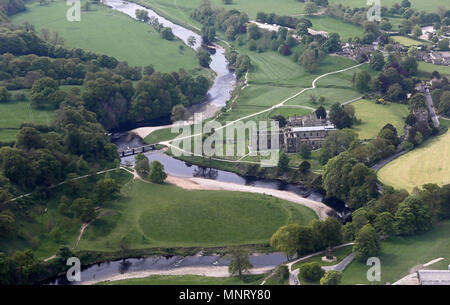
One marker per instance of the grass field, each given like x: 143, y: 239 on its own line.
x: 13, y: 114
x: 167, y: 216
x: 425, y: 70
x: 181, y: 9
x: 400, y: 254
x: 333, y: 25
x: 375, y: 116
x: 105, y: 31
x: 420, y: 5
x: 190, y: 280
x: 429, y: 163
x: 406, y: 41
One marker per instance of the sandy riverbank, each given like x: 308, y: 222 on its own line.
x: 212, y: 271
x: 320, y: 208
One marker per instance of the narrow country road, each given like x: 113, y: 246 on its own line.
x: 433, y: 115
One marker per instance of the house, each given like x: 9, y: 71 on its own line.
x: 433, y: 277
x: 299, y: 130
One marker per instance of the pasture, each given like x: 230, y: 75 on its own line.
x: 334, y: 25
x: 14, y: 113
x: 425, y: 69
x: 167, y: 216
x: 406, y: 41
x: 428, y: 163
x: 376, y: 116
x: 400, y: 254
x: 105, y: 31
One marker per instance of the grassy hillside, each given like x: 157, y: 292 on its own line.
x: 428, y: 163
x: 167, y: 216
x: 105, y: 31
x: 400, y: 254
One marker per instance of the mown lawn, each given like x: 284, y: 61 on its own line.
x: 334, y: 25
x: 106, y: 31
x: 429, y: 163
x: 406, y: 41
x: 400, y: 254
x: 14, y: 113
x: 425, y: 70
x: 190, y: 280
x: 375, y: 116
x: 167, y: 216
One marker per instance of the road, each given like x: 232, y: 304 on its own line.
x: 433, y: 115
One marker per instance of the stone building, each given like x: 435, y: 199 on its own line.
x: 299, y: 130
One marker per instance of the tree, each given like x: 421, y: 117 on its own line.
x: 45, y: 93
x: 339, y: 117
x: 324, y: 156
x: 329, y: 232
x: 410, y: 64
x: 191, y: 41
x: 311, y: 272
x: 157, y: 173
x: 444, y: 104
x: 305, y: 151
x: 310, y: 8
x: 204, y: 58
x: 106, y: 189
x: 253, y: 32
x: 84, y: 209
x: 331, y: 277
x: 367, y: 244
x: 362, y: 80
x: 167, y: 34
x: 7, y: 221
x: 395, y: 92
x: 239, y: 263
x: 5, y: 96
x: 384, y: 224
x: 29, y: 138
x: 142, y: 165
x: 280, y: 119
x: 179, y: 113
x: 283, y: 162
x: 417, y: 31
x: 443, y: 45
x: 304, y: 167
x: 333, y: 43
x: 377, y: 61
x: 321, y: 113
x: 286, y: 239
x: 142, y: 15
x: 412, y: 216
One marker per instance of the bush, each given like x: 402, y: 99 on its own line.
x: 312, y: 272
x: 332, y: 277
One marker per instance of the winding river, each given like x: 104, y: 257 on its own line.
x: 218, y: 95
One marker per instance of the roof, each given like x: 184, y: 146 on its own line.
x: 313, y: 128
x: 434, y: 277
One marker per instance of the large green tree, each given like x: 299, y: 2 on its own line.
x: 367, y: 243
x: 413, y: 216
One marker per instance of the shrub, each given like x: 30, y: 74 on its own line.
x: 311, y: 272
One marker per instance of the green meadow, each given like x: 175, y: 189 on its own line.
x: 105, y: 31
x: 166, y: 216
x: 400, y: 254
x: 375, y: 116
x: 334, y: 25
x: 406, y: 41
x: 425, y: 70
